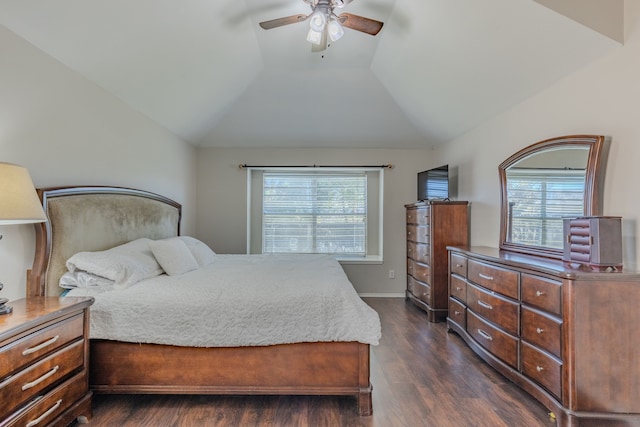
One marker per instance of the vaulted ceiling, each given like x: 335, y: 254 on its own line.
x: 207, y: 72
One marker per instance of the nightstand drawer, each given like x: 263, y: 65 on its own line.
x: 28, y: 383
x: 23, y: 351
x: 53, y: 404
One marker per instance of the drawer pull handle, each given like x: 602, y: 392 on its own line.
x: 486, y: 277
x: 45, y: 415
x: 485, y: 335
x: 539, y: 368
x: 42, y: 378
x: 40, y: 346
x: 459, y: 265
x: 540, y: 293
x: 485, y: 305
x: 458, y: 288
x: 539, y: 330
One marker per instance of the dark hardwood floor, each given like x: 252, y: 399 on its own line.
x: 421, y: 375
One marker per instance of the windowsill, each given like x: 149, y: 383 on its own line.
x: 371, y: 259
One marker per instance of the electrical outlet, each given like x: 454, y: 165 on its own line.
x: 392, y: 274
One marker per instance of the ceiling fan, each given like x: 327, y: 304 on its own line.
x: 324, y: 23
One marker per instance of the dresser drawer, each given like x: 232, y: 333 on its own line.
x: 420, y: 290
x: 422, y: 272
x: 542, y: 368
x: 498, y: 342
x: 495, y: 278
x: 458, y: 287
x: 501, y: 311
x: 418, y: 252
x: 542, y: 330
x: 418, y: 216
x: 53, y: 404
x: 542, y: 292
x: 458, y: 313
x: 410, y: 267
x: 25, y: 385
x: 458, y: 265
x: 418, y: 233
x: 411, y: 216
x: 24, y: 350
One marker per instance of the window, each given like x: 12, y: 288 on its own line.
x: 537, y: 205
x: 335, y: 211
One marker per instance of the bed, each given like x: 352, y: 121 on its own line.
x: 94, y: 219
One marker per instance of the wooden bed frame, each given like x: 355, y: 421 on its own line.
x: 96, y: 218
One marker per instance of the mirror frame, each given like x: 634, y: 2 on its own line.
x: 594, y: 181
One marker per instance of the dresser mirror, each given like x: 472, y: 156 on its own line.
x: 541, y: 184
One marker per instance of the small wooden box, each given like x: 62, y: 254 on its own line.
x: 595, y: 241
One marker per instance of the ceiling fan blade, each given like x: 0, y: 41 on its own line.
x: 274, y: 23
x: 360, y: 23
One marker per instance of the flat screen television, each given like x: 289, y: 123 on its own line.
x: 434, y: 184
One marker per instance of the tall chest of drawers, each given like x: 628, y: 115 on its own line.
x: 431, y: 226
x: 568, y: 337
x: 44, y: 362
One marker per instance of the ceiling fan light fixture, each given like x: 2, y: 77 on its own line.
x: 318, y: 21
x: 335, y: 30
x: 314, y: 37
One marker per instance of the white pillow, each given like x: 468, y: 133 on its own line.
x: 200, y: 251
x: 125, y: 264
x: 173, y: 255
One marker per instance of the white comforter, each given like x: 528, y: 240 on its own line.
x: 238, y: 300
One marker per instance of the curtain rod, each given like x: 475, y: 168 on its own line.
x: 243, y: 166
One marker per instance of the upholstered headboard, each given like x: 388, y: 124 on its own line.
x: 94, y: 219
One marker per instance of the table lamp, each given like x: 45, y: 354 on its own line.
x: 19, y: 204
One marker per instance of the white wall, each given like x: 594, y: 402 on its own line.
x: 222, y: 207
x: 68, y: 131
x: 602, y: 99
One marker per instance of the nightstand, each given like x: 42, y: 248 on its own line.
x: 44, y: 359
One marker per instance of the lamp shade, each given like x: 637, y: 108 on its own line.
x: 19, y: 203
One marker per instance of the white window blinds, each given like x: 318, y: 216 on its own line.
x: 539, y: 199
x: 314, y: 213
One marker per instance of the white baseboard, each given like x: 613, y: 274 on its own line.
x: 382, y: 295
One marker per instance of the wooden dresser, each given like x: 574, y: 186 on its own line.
x: 570, y: 338
x: 431, y: 226
x: 44, y: 357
